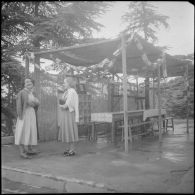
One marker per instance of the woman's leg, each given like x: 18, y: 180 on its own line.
x: 67, y: 149
x: 72, y: 146
x: 68, y: 146
x: 21, y: 148
x: 29, y: 148
x: 23, y: 152
x: 32, y: 150
x: 26, y: 148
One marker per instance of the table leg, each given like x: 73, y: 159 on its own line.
x: 164, y: 129
x: 93, y: 132
x: 89, y: 132
x: 172, y: 123
x: 113, y: 131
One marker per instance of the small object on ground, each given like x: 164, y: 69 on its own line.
x: 69, y: 153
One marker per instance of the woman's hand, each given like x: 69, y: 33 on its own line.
x: 62, y: 101
x: 37, y: 103
x: 31, y: 103
x: 64, y: 107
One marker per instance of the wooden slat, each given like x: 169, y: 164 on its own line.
x: 137, y: 124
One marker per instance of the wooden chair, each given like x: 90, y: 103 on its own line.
x: 167, y: 119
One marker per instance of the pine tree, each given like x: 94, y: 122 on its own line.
x: 143, y: 19
x: 60, y: 23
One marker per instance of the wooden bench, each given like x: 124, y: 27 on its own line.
x: 136, y: 125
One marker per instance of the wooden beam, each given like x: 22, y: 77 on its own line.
x: 74, y: 47
x: 153, y: 92
x: 125, y: 106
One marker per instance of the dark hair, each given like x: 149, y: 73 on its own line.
x: 71, y: 81
x: 32, y: 80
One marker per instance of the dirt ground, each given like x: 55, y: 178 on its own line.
x: 149, y: 167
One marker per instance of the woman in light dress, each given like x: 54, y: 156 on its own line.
x: 68, y: 129
x: 60, y: 92
x: 26, y: 129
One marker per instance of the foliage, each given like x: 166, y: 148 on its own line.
x: 12, y: 74
x: 31, y: 25
x: 175, y: 92
x: 143, y: 19
x: 25, y: 24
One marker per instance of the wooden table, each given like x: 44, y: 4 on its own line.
x: 113, y: 117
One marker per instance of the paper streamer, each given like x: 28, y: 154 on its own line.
x: 140, y: 47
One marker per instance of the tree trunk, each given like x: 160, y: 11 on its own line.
x: 26, y: 66
x: 9, y: 94
x: 36, y: 44
x: 147, y: 95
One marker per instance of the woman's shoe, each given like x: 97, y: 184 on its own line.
x: 31, y: 152
x: 25, y: 156
x: 66, y: 152
x: 71, y: 153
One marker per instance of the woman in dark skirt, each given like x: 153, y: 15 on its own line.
x: 68, y: 130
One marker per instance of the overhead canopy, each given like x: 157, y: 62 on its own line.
x: 177, y: 67
x: 85, y: 54
x: 93, y: 53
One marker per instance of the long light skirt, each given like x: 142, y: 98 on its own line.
x: 68, y: 131
x: 26, y: 129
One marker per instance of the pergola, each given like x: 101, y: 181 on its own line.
x: 128, y: 55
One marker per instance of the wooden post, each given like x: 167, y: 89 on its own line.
x: 187, y: 98
x: 159, y: 104
x: 109, y: 97
x: 125, y: 92
x: 153, y: 99
x: 26, y: 65
x: 147, y: 88
x: 137, y: 85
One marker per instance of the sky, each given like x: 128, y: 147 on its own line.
x: 179, y: 37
